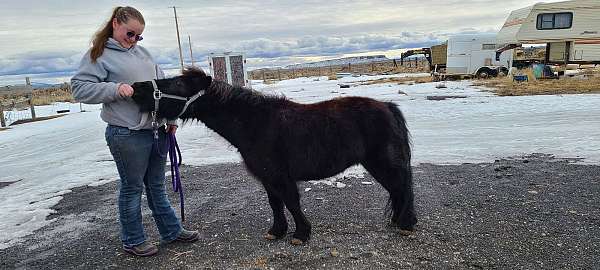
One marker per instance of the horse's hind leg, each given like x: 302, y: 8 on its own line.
x: 280, y: 225
x: 396, y: 178
x: 292, y: 201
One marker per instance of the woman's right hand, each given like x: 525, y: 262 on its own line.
x: 125, y: 90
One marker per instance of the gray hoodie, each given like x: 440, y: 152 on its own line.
x: 98, y: 82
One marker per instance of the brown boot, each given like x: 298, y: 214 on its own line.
x: 143, y: 250
x: 187, y: 236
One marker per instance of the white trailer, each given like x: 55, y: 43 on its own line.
x: 570, y: 30
x: 229, y: 67
x: 474, y: 55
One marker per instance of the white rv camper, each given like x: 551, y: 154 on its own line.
x: 570, y: 30
x: 474, y: 55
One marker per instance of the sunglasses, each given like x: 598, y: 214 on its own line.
x: 132, y: 34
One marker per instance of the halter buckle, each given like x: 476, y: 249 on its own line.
x: 157, y: 94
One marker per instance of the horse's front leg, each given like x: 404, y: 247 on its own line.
x: 280, y: 225
x: 292, y: 202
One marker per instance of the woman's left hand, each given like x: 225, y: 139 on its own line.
x: 171, y: 129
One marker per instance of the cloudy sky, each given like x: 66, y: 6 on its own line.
x: 49, y: 37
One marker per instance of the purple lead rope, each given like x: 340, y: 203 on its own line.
x: 175, y: 158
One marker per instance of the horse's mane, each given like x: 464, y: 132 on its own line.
x: 226, y: 93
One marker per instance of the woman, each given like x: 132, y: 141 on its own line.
x: 106, y: 71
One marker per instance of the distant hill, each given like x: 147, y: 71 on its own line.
x: 342, y: 61
x: 38, y: 85
x: 34, y: 85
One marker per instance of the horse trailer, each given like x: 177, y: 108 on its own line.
x: 229, y: 67
x: 472, y: 55
x: 570, y: 30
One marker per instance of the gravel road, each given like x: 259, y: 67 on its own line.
x: 530, y: 212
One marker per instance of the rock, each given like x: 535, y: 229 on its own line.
x: 443, y: 97
x: 297, y: 242
x: 334, y: 252
x: 368, y: 254
x: 340, y: 185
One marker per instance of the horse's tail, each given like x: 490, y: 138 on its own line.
x: 402, y: 199
x: 401, y: 136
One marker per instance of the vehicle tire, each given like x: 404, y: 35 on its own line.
x: 484, y: 73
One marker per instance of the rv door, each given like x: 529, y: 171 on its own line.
x: 459, y: 57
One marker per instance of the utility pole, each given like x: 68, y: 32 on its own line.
x: 191, y: 54
x: 178, y: 39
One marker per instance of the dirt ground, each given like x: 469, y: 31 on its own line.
x: 531, y: 212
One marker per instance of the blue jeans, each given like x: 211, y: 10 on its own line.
x: 140, y: 165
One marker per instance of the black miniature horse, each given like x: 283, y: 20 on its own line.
x: 283, y: 142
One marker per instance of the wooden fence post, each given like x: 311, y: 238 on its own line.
x: 28, y: 84
x: 279, y: 73
x: 2, y: 121
x: 31, y: 106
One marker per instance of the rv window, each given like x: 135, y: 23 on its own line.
x: 549, y: 21
x: 563, y: 20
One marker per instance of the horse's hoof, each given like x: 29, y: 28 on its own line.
x: 405, y: 232
x: 297, y: 242
x: 269, y: 236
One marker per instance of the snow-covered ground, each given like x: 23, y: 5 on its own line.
x: 41, y: 111
x: 47, y: 159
